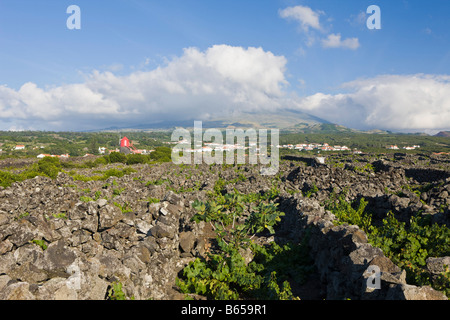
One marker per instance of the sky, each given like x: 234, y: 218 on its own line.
x: 133, y: 62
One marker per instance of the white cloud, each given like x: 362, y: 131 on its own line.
x: 198, y: 83
x: 309, y: 21
x: 392, y: 102
x: 307, y: 17
x: 335, y: 41
x: 223, y: 79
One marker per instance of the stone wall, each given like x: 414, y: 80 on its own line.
x: 55, y: 246
x: 346, y: 262
x: 91, y: 248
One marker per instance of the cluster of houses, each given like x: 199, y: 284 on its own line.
x: 211, y: 146
x: 125, y: 146
x: 395, y: 147
x: 103, y: 150
x: 208, y: 147
x: 22, y: 147
x: 317, y: 146
x: 43, y: 155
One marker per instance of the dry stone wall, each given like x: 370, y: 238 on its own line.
x: 90, y: 248
x: 55, y: 246
x: 346, y: 261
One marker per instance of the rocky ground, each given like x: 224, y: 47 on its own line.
x: 73, y: 239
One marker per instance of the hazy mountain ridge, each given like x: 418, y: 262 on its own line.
x: 443, y: 134
x: 286, y: 120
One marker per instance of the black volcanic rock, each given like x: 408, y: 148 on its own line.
x: 56, y: 244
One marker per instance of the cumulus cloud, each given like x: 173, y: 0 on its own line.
x: 222, y: 80
x: 309, y: 21
x: 307, y: 17
x: 335, y: 41
x: 392, y: 102
x: 196, y: 84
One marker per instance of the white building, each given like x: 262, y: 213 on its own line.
x: 393, y: 147
x: 42, y: 155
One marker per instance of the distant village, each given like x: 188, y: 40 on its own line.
x: 127, y: 147
x: 394, y: 147
x: 327, y: 147
x: 208, y: 147
x: 318, y: 147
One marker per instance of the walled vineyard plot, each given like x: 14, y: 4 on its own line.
x: 134, y: 231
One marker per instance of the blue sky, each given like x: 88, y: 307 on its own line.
x: 331, y: 64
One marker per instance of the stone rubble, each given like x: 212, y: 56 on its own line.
x: 53, y: 246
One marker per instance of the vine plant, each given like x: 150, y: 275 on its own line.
x: 224, y: 274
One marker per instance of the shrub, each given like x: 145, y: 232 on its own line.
x: 8, y: 178
x: 224, y: 274
x: 50, y: 160
x: 153, y: 200
x: 158, y: 182
x: 136, y: 158
x: 408, y: 245
x: 103, y: 160
x: 80, y: 177
x: 41, y: 243
x: 86, y: 199
x: 115, y: 292
x: 49, y: 166
x: 117, y: 173
x: 88, y: 164
x: 161, y: 154
x: 115, y: 157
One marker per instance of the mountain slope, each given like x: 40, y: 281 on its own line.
x: 445, y: 134
x: 290, y: 120
x: 283, y: 119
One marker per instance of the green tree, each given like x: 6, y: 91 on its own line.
x: 93, y: 145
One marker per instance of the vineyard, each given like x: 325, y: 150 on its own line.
x: 143, y: 228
